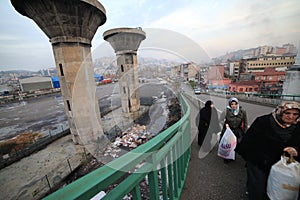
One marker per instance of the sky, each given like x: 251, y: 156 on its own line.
x: 212, y: 28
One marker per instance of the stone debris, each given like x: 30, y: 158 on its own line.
x: 129, y: 139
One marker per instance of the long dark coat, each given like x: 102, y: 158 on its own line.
x: 263, y: 147
x: 237, y: 123
x: 208, y: 125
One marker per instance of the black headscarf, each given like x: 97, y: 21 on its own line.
x: 205, y: 113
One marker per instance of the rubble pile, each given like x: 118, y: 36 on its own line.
x: 19, y: 142
x: 129, y: 139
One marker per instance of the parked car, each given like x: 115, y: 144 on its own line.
x: 197, y: 91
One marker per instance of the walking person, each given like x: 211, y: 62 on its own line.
x: 207, y: 126
x: 235, y: 118
x: 266, y: 140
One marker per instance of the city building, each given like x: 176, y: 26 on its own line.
x: 216, y: 79
x: 35, y: 83
x: 220, y: 84
x: 259, y: 64
x: 234, y: 69
x: 250, y: 86
x: 270, y: 81
x: 188, y: 71
x: 263, y: 50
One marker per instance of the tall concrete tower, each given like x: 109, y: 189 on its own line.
x: 70, y: 25
x: 125, y: 42
x: 292, y: 80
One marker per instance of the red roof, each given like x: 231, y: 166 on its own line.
x: 250, y: 83
x: 269, y: 71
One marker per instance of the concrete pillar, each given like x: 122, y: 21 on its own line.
x: 125, y: 42
x: 291, y: 83
x: 70, y: 25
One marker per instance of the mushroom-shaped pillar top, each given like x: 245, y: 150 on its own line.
x: 64, y: 20
x: 124, y: 39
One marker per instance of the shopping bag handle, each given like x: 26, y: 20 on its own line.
x: 291, y: 158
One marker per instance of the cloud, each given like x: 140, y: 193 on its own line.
x: 217, y: 26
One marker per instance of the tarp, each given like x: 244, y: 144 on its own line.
x: 55, y: 82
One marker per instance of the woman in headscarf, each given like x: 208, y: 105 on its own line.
x: 235, y: 117
x: 266, y: 140
x: 208, y: 124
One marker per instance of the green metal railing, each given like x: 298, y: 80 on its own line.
x: 163, y: 161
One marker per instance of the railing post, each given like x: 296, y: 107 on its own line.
x: 153, y: 179
x: 136, y: 193
x: 175, y: 170
x: 164, y: 180
x: 170, y: 175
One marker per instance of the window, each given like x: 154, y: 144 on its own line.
x: 122, y: 68
x: 69, y: 106
x: 61, y: 69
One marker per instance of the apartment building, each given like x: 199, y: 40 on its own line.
x: 193, y: 72
x: 187, y: 71
x: 278, y: 62
x: 270, y: 81
x: 249, y: 86
x: 234, y: 69
x: 263, y: 50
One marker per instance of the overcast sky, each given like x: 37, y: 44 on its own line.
x: 215, y: 27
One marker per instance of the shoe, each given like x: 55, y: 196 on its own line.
x: 226, y: 161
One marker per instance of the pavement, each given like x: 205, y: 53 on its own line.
x: 208, y: 177
x: 30, y: 177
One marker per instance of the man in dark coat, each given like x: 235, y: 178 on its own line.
x: 265, y: 141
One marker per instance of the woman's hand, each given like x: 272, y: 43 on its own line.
x: 292, y: 151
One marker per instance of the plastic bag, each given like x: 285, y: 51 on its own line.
x: 284, y: 180
x: 227, y: 145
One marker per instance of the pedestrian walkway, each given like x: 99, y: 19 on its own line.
x: 209, y: 178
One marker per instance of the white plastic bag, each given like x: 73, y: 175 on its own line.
x: 227, y: 145
x: 284, y: 180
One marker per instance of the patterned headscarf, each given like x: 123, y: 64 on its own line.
x: 286, y: 105
x: 281, y: 108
